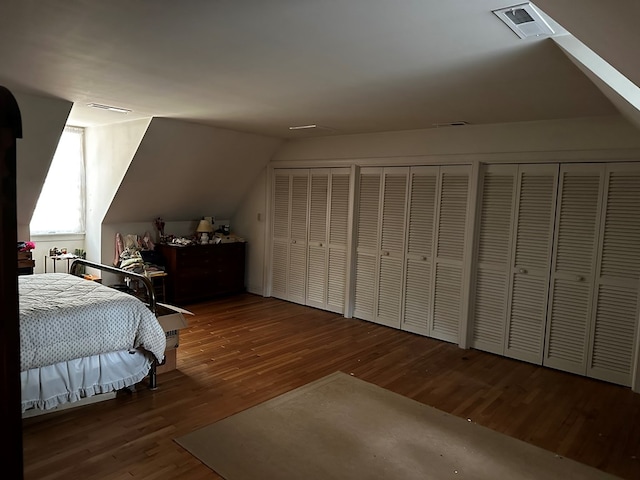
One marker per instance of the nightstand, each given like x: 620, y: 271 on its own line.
x: 25, y: 263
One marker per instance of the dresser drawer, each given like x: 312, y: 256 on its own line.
x: 201, y: 272
x: 25, y: 260
x: 25, y: 263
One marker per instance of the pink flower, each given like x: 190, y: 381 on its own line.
x: 28, y: 246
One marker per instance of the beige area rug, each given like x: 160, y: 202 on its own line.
x: 340, y: 427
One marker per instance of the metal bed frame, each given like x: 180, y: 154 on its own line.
x: 76, y: 269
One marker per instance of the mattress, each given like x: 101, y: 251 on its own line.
x: 64, y: 317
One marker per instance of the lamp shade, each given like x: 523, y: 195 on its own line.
x: 204, y: 227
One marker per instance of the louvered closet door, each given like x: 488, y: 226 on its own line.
x: 493, y: 264
x: 338, y: 237
x: 297, y: 271
x: 531, y: 262
x: 367, y: 250
x: 392, y: 230
x: 317, y: 269
x: 573, y: 267
x: 615, y: 310
x: 450, y: 240
x: 419, y: 249
x: 280, y: 239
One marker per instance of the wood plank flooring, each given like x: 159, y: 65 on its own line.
x: 246, y: 349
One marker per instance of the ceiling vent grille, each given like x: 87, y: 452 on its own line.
x: 460, y: 123
x: 525, y: 20
x: 311, y: 129
x: 108, y: 107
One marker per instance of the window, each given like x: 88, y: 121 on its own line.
x: 60, y: 208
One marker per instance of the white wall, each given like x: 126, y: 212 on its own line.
x: 44, y: 243
x: 574, y: 139
x: 454, y: 144
x: 109, y: 151
x: 184, y: 171
x: 249, y: 223
x: 109, y: 231
x: 180, y: 171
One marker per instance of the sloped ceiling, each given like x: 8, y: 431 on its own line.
x: 253, y: 66
x: 43, y: 120
x: 184, y: 171
x: 610, y: 29
x: 355, y: 66
x: 623, y: 93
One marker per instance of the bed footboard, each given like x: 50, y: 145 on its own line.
x: 76, y: 269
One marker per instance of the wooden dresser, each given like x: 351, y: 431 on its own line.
x: 25, y: 263
x: 202, y: 272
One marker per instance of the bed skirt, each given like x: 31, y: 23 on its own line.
x: 48, y: 387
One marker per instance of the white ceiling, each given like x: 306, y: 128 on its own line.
x: 260, y: 66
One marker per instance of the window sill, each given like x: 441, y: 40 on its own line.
x: 58, y: 237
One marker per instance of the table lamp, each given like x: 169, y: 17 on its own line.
x: 204, y: 229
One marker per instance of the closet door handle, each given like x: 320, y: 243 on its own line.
x: 293, y: 241
x: 424, y: 259
x: 386, y: 254
x: 580, y: 278
x: 522, y: 270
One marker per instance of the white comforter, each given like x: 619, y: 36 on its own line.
x: 63, y: 317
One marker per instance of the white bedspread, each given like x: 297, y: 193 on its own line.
x: 67, y: 382
x: 64, y: 317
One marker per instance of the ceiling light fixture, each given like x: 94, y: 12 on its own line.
x: 108, y: 107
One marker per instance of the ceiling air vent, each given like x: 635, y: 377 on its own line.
x: 525, y: 20
x: 460, y: 123
x: 108, y: 107
x: 312, y: 128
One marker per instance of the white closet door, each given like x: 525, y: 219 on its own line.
x: 338, y: 237
x: 280, y: 238
x: 450, y: 237
x: 367, y: 250
x: 531, y: 261
x: 297, y: 271
x: 615, y: 311
x: 573, y: 267
x: 493, y: 265
x: 392, y: 228
x: 419, y: 249
x: 317, y: 268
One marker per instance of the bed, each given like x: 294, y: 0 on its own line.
x: 80, y: 339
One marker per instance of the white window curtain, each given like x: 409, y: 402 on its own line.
x: 60, y: 207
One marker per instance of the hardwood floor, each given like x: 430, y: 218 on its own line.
x: 243, y: 350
